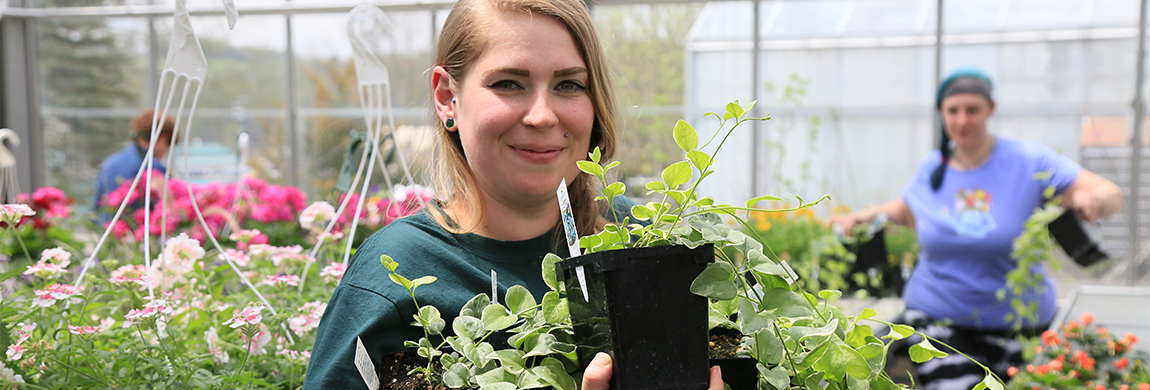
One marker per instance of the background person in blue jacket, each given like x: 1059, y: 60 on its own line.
x: 126, y: 163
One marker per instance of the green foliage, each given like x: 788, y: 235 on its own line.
x: 1033, y: 248
x: 540, y: 353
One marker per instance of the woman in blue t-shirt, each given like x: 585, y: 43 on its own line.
x: 968, y: 201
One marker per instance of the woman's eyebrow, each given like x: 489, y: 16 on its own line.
x: 570, y: 71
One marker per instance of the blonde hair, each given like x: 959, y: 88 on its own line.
x: 461, y: 43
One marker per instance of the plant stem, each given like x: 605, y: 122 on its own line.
x: 62, y: 363
x: 247, y: 352
x: 21, y: 241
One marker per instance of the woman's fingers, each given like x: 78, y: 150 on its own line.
x: 598, y: 374
x: 716, y: 379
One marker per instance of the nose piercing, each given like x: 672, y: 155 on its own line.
x: 565, y: 135
x: 450, y: 123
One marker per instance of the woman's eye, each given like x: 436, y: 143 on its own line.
x: 571, y: 86
x: 504, y: 84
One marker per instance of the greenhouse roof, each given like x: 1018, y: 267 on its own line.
x: 831, y: 19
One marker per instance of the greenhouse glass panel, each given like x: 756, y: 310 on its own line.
x: 971, y: 16
x: 785, y: 70
x: 879, y: 77
x: 885, y: 17
x: 726, y: 21
x: 92, y: 76
x: 1113, y: 13
x: 1046, y: 14
x: 1109, y: 71
x: 809, y: 19
x: 1036, y: 73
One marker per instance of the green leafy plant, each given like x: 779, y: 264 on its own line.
x: 1033, y: 248
x: 540, y: 352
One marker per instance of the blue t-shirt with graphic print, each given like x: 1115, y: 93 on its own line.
x: 967, y: 227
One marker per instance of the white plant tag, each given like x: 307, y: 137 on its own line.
x: 791, y: 275
x: 572, y: 235
x: 494, y: 287
x: 365, y: 366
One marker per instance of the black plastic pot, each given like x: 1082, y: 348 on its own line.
x: 739, y: 373
x: 872, y: 259
x: 641, y: 311
x: 1067, y: 230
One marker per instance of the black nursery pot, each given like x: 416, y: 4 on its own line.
x: 641, y: 311
x: 1067, y: 230
x: 872, y: 259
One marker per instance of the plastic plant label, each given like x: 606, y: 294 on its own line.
x: 365, y: 366
x: 494, y: 287
x: 572, y: 235
x: 790, y: 272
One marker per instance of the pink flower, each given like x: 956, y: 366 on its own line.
x: 330, y: 237
x: 180, y: 252
x: 316, y: 216
x: 13, y: 213
x: 308, y: 318
x: 215, y: 346
x: 82, y: 329
x: 120, y: 230
x: 15, y: 352
x: 47, y: 297
x: 282, y: 281
x: 295, y: 355
x: 44, y: 270
x: 293, y: 258
x: 248, y: 316
x: 131, y: 275
x: 151, y: 309
x: 244, y: 238
x: 235, y: 256
x: 46, y: 197
x: 333, y: 272
x: 261, y: 340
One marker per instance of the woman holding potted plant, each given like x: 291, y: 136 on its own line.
x: 521, y: 92
x: 968, y: 202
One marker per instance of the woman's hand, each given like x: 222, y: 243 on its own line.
x: 896, y: 211
x: 1092, y: 196
x: 598, y: 374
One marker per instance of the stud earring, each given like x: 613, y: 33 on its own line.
x: 450, y: 123
x: 452, y: 100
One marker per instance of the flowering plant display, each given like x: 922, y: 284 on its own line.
x: 187, y: 321
x: 1082, y: 355
x: 38, y: 221
x: 281, y: 213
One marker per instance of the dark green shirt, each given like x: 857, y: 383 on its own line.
x: 367, y: 304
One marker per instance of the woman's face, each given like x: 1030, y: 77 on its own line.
x: 965, y: 116
x: 523, y: 111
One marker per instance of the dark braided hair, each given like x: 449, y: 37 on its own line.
x: 963, y: 80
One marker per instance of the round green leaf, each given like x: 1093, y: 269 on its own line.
x: 467, y: 327
x: 456, y: 376
x: 717, y: 281
x: 555, y: 309
x: 495, y: 317
x: 519, y: 300
x: 677, y: 174
x: 685, y: 136
x: 924, y: 351
x: 549, y: 271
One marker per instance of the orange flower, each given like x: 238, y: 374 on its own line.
x: 1050, y: 338
x: 1029, y: 368
x: 1012, y: 371
x: 1144, y: 386
x: 1075, y: 374
x: 1129, y: 339
x: 1056, y: 365
x: 1088, y: 363
x: 1099, y: 387
x: 1122, y: 363
x: 1042, y: 369
x: 1087, y: 318
x: 1102, y: 331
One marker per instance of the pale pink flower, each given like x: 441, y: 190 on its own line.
x: 259, y: 251
x: 44, y: 270
x: 292, y: 249
x: 282, y: 281
x: 235, y: 256
x: 215, y: 346
x: 12, y: 213
x: 82, y: 329
x: 291, y: 258
x: 308, y: 318
x: 151, y: 309
x: 25, y: 331
x: 333, y: 272
x: 248, y: 237
x: 316, y: 215
x: 128, y: 275
x: 48, y: 297
x: 248, y: 316
x: 15, y: 352
x: 181, y: 252
x: 295, y: 355
x: 330, y: 237
x: 11, y: 376
x: 106, y: 324
x: 57, y: 256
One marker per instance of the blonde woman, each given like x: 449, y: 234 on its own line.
x: 521, y: 93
